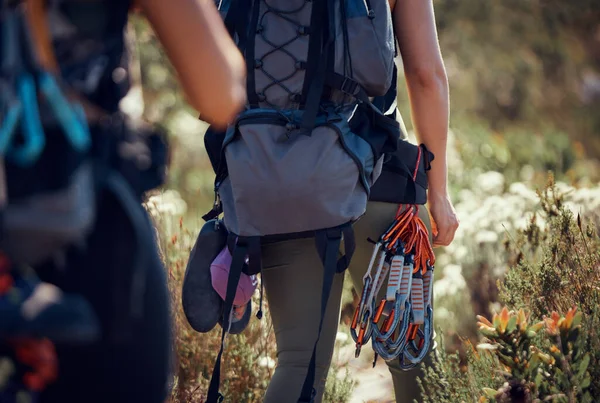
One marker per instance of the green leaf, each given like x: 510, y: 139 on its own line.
x: 496, y: 321
x: 491, y: 393
x: 539, y: 378
x: 487, y: 332
x: 576, y: 320
x: 586, y: 382
x: 583, y: 366
x: 512, y: 324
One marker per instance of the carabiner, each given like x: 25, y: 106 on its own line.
x: 424, y: 344
x: 33, y: 132
x: 71, y: 117
x: 8, y: 126
x: 364, y: 333
x: 358, y: 313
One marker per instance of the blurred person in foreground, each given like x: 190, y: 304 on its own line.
x: 84, y: 307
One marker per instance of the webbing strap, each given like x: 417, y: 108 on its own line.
x: 314, y: 46
x: 328, y: 245
x: 346, y: 85
x: 318, y: 60
x: 213, y: 213
x: 243, y: 247
x: 349, y: 248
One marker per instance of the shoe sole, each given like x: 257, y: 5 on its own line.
x: 202, y: 305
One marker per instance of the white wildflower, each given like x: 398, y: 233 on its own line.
x: 564, y: 188
x: 451, y: 283
x: 572, y: 206
x: 168, y: 202
x: 522, y: 222
x: 442, y: 313
x: 490, y: 182
x: 453, y: 271
x: 341, y: 337
x: 461, y: 252
x: 443, y: 259
x: 189, y: 129
x: 486, y: 236
x: 266, y: 362
x: 466, y: 195
x: 527, y: 173
x: 495, y: 307
x: 498, y: 271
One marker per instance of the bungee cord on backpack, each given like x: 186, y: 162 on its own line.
x: 400, y: 326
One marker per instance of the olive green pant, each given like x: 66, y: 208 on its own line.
x: 293, y: 277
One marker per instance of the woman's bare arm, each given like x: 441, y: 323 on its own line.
x: 427, y: 85
x: 210, y: 67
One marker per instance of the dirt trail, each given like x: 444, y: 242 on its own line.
x: 374, y: 384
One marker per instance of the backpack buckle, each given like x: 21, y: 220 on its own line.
x: 349, y: 86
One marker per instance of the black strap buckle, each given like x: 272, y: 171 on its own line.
x: 349, y: 86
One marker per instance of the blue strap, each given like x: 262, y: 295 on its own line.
x: 320, y: 49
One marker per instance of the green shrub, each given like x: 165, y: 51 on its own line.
x: 554, y: 266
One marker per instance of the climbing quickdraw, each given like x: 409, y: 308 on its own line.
x: 406, y: 259
x: 21, y: 78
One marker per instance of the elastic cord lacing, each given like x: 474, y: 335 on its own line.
x: 299, y: 65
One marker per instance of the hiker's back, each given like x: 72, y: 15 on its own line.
x: 309, y: 64
x: 299, y: 162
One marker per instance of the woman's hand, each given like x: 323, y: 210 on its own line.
x: 444, y: 221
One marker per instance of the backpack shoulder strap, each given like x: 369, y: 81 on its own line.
x: 319, y: 60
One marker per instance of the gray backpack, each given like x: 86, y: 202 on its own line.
x: 300, y: 160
